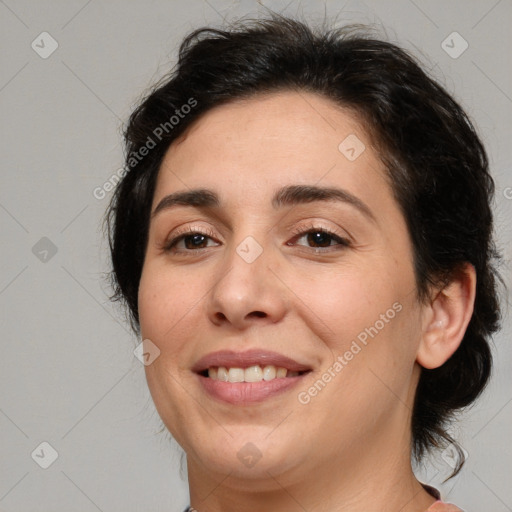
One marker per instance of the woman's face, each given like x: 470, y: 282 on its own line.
x: 280, y: 271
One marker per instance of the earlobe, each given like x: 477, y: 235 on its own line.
x: 446, y: 318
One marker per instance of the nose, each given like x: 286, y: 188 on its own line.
x: 248, y: 292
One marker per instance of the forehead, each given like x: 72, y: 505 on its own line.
x: 268, y: 141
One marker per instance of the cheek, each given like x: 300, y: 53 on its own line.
x: 369, y: 318
x: 166, y: 303
x: 344, y: 304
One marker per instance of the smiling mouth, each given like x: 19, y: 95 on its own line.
x: 254, y: 373
x: 249, y: 377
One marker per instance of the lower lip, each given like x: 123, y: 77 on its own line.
x: 244, y: 393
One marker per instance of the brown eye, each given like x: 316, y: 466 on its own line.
x: 190, y: 241
x: 320, y: 238
x: 196, y: 241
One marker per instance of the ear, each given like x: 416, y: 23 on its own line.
x: 446, y: 318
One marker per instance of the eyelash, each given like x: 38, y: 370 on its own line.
x: 341, y: 241
x: 299, y: 233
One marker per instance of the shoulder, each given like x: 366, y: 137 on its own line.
x: 439, y: 506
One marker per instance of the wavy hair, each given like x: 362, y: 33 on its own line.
x: 435, y: 162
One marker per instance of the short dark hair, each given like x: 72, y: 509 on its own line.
x: 435, y: 161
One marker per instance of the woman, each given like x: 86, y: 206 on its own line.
x: 304, y: 242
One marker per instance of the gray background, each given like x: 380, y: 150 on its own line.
x: 68, y: 375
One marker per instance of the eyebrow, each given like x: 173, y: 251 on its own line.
x: 289, y: 195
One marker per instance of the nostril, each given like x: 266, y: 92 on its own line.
x: 259, y: 314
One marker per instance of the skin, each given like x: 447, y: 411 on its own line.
x: 349, y: 447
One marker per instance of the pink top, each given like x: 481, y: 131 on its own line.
x: 439, y: 506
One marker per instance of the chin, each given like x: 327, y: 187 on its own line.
x: 248, y: 454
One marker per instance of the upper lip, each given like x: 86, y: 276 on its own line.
x: 232, y: 359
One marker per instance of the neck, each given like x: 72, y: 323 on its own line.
x: 374, y: 479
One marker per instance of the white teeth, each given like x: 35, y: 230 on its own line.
x: 269, y: 372
x: 222, y: 374
x: 253, y: 373
x: 281, y: 372
x: 236, y: 375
